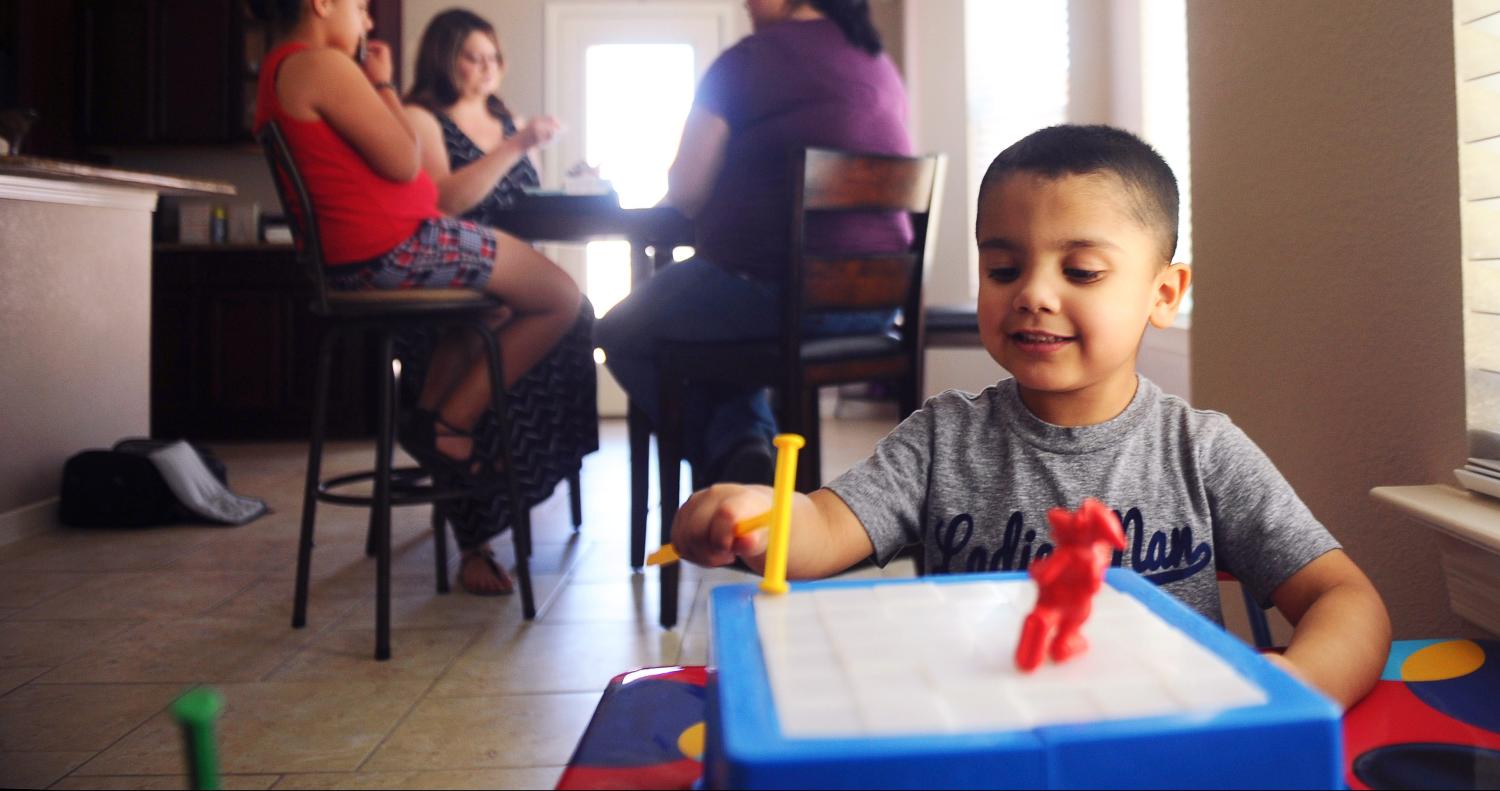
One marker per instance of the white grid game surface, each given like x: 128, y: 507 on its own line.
x: 926, y: 658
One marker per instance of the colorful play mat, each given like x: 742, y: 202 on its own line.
x: 1432, y: 721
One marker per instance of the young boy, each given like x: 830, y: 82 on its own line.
x: 1076, y: 229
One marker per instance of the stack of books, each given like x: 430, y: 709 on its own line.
x: 1480, y: 475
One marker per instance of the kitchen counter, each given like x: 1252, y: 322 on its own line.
x: 75, y: 319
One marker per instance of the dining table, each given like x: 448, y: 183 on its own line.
x: 1431, y: 721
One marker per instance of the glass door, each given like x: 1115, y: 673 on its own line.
x: 621, y: 77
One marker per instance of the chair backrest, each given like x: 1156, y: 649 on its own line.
x: 829, y: 181
x: 298, y: 208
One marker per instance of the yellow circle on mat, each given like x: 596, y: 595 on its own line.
x: 1442, y: 661
x: 691, y: 742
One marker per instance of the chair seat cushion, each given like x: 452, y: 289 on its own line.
x: 423, y: 301
x: 850, y: 346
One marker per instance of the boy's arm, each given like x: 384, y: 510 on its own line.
x: 826, y: 537
x: 1342, y: 631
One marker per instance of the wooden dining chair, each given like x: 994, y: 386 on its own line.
x: 824, y: 181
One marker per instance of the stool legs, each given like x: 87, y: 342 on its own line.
x: 520, y: 532
x: 314, y: 468
x: 440, y: 545
x: 575, y: 497
x: 381, y: 510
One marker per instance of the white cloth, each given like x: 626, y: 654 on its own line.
x: 197, y: 488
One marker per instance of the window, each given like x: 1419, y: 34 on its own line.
x: 1016, y: 55
x: 1029, y: 65
x: 1478, y: 59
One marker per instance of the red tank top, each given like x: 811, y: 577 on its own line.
x: 361, y: 215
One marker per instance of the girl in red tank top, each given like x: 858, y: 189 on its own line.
x: 375, y: 207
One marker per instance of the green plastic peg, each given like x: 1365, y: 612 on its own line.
x: 196, y: 712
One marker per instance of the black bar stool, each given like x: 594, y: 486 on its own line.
x: 385, y: 314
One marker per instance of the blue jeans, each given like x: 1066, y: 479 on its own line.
x: 695, y: 300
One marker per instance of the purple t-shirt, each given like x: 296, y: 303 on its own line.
x: 789, y: 86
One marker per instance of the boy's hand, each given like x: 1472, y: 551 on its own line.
x: 704, y: 529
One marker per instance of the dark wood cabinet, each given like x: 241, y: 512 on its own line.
x: 161, y: 71
x: 233, y: 349
x: 179, y: 72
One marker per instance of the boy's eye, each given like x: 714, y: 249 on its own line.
x: 1004, y: 274
x: 1083, y: 275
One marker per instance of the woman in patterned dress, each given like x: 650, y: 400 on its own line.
x: 478, y: 154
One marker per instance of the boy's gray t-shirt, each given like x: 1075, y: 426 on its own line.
x: 971, y: 478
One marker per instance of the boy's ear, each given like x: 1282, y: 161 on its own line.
x: 1171, y: 284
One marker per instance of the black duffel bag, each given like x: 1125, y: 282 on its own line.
x: 121, y: 487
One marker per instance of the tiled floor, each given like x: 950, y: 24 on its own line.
x: 100, y: 630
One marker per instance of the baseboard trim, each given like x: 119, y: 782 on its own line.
x: 28, y: 520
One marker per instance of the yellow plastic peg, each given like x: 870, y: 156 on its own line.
x: 787, y: 445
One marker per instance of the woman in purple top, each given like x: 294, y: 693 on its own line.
x: 812, y: 74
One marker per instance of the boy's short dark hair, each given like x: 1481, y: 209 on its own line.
x: 1070, y: 149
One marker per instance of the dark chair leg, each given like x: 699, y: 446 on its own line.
x: 669, y: 458
x: 381, y: 513
x: 440, y: 545
x: 640, y: 483
x: 370, y: 547
x: 314, y: 468
x: 575, y: 497
x: 520, y: 515
x: 810, y: 460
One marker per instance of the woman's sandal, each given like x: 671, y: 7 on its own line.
x: 506, y: 586
x: 418, y: 434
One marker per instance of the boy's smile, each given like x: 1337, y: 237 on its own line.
x: 1069, y: 279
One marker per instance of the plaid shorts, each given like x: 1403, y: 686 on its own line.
x: 443, y: 253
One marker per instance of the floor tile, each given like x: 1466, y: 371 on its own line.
x: 531, y: 777
x: 636, y: 600
x: 80, y: 550
x: 274, y: 728
x: 348, y: 655
x: 51, y: 643
x: 484, y: 731
x: 125, y: 782
x: 426, y: 608
x: 13, y: 677
x: 76, y: 717
x: 141, y: 595
x: 189, y: 650
x: 554, y: 658
x: 21, y: 589
x: 270, y: 597
x: 37, y: 769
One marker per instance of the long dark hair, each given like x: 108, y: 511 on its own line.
x: 442, y: 42
x: 852, y: 17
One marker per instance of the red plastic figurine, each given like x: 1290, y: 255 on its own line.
x: 1067, y: 581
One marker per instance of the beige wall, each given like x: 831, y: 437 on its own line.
x: 75, y: 313
x: 1326, y: 234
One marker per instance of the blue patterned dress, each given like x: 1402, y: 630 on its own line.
x: 554, y: 415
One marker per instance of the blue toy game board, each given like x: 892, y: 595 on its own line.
x: 912, y: 684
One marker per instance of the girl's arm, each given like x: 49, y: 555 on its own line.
x: 826, y: 537
x: 700, y: 157
x: 1342, y: 631
x: 327, y: 84
x: 463, y: 189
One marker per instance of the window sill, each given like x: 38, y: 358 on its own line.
x: 1472, y: 518
x: 1463, y: 520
